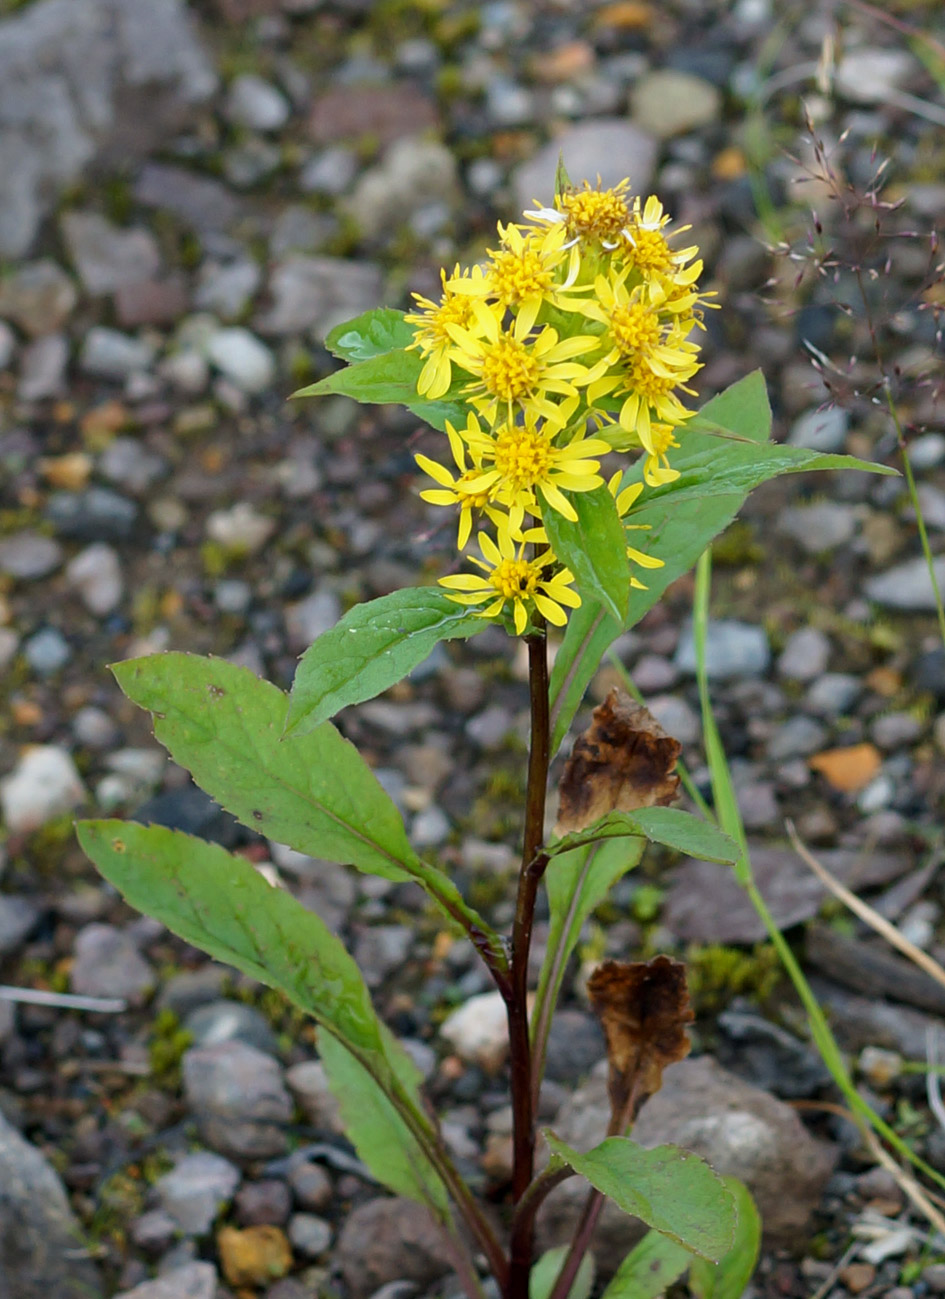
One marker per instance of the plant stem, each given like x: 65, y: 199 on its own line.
x: 533, y: 867
x: 582, y: 1239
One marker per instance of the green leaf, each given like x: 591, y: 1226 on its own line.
x: 375, y: 1128
x: 666, y: 825
x: 389, y: 378
x: 668, y: 1188
x: 562, y: 179
x: 728, y: 1278
x: 594, y: 548
x: 743, y: 408
x: 544, y: 1274
x: 373, y: 333
x: 371, y: 648
x: 649, y: 1269
x: 221, y: 904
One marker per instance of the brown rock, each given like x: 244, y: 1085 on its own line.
x: 390, y: 1240
x: 255, y: 1256
x: 385, y: 112
x: 151, y: 302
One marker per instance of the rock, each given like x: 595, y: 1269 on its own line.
x: 305, y: 620
x: 575, y: 1045
x: 330, y: 172
x: 239, y: 1099
x: 151, y: 302
x: 758, y: 804
x: 29, y: 555
x: 907, y: 585
x: 154, y: 1231
x: 768, y: 1056
x: 9, y: 644
x: 7, y: 346
x: 317, y: 293
x: 430, y: 828
x: 384, y: 112
x: 819, y: 527
x: 478, y: 1032
x: 805, y: 656
x: 927, y: 451
x: 96, y: 514
x: 47, y: 652
x: 733, y: 649
x: 43, y: 368
x: 230, y: 1021
x: 893, y: 730
x: 108, y: 964
x: 110, y: 354
x: 308, y: 1083
x: 739, y: 1129
x: 820, y: 430
x: 412, y: 173
x: 95, y: 573
x: 129, y: 463
x: 107, y: 257
x: 611, y: 146
x: 245, y: 361
x: 796, y: 738
x: 264, y: 1203
x: 241, y: 529
x: 200, y: 202
x: 43, y: 785
x: 227, y: 290
x: 41, y: 1254
x: 381, y: 949
x: 256, y: 104
x: 868, y: 76
x: 654, y: 672
x: 253, y: 1256
x: 678, y: 718
x: 705, y: 904
x: 309, y: 1235
x: 75, y: 79
x: 192, y: 1281
x: 834, y: 694
x: 39, y: 297
x: 390, y: 1240
x: 311, y: 1186
x: 196, y: 1189
x: 18, y: 915
x: 667, y: 102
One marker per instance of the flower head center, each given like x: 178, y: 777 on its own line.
x: 595, y: 214
x: 523, y: 456
x: 515, y: 579
x: 647, y: 384
x: 649, y: 250
x: 514, y: 276
x: 661, y: 437
x: 509, y: 371
x: 635, y: 328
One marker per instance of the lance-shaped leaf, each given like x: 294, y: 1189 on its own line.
x: 644, y: 1010
x: 668, y: 1188
x: 545, y: 1271
x: 594, y: 548
x: 728, y: 1278
x: 313, y: 792
x: 373, y: 333
x: 373, y: 646
x: 670, y: 826
x: 649, y: 1269
x: 221, y: 904
x: 389, y: 378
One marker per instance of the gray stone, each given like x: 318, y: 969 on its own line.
x: 39, y: 297
x: 108, y: 964
x: 678, y: 718
x: 927, y: 451
x: 256, y: 104
x: 305, y: 620
x: 43, y: 368
x: 330, y: 172
x: 7, y: 346
x: 893, y: 730
x: 97, y: 514
x: 932, y: 504
x: 110, y: 354
x: 95, y: 574
x: 390, y: 1239
x: 311, y: 1186
x: 833, y: 694
x: 239, y: 1099
x: 821, y: 526
x: 733, y: 649
x: 317, y: 293
x: 9, y: 644
x: 796, y: 738
x: 29, y: 555
x: 907, y: 585
x: 18, y: 915
x: 508, y: 103
x: 201, y: 202
x: 654, y: 672
x: 667, y: 102
x: 250, y: 162
x: 93, y: 728
x: 308, y: 1083
x: 47, y: 651
x: 196, y: 1189
x: 227, y: 289
x: 758, y: 804
x: 739, y: 1129
x: 230, y: 1021
x: 129, y: 463
x: 300, y: 230
x: 381, y: 949
x: 430, y: 828
x: 106, y: 257
x: 611, y: 146
x: 490, y: 728
x: 154, y: 1231
x: 192, y: 1281
x: 873, y: 75
x: 43, y: 785
x: 245, y: 361
x: 85, y: 79
x: 820, y: 430
x: 240, y: 529
x: 41, y: 1249
x: 309, y: 1235
x: 263, y: 1203
x: 805, y: 656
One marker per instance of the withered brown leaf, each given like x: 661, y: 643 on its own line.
x: 624, y: 760
x: 643, y: 1007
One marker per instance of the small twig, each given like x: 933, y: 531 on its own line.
x: 63, y: 1000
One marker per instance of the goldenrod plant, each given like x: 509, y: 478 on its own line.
x: 582, y: 481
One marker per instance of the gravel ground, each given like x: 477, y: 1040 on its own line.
x: 189, y: 200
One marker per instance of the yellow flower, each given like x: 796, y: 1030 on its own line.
x: 462, y: 490
x: 646, y: 247
x: 527, y: 585
x: 513, y: 368
x: 640, y: 327
x: 590, y: 215
x: 432, y: 337
x: 521, y: 273
x: 656, y: 466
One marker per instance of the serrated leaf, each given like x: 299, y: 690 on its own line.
x: 728, y: 1278
x: 545, y: 1271
x: 668, y: 1188
x: 218, y: 902
x: 594, y: 548
x: 649, y: 1269
x: 373, y: 333
x: 373, y: 646
x: 670, y: 826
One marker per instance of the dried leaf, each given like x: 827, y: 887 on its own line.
x: 623, y: 761
x: 643, y: 1007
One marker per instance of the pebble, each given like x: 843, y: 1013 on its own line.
x: 107, y: 257
x: 9, y: 644
x: 95, y: 574
x: 263, y: 1203
x: 191, y: 1281
x: 110, y: 354
x: 227, y: 289
x: 677, y: 718
x: 733, y: 649
x: 868, y: 75
x: 833, y: 694
x: 311, y: 1186
x: 256, y: 104
x: 390, y: 1239
x: 305, y: 620
x: 907, y: 585
x: 414, y: 172
x: 317, y: 293
x: 154, y: 1231
x: 47, y: 651
x: 805, y: 656
x: 38, y: 297
x: 254, y: 1256
x: 130, y: 464
x: 241, y: 529
x: 381, y: 949
x: 611, y: 146
x: 820, y: 430
x: 239, y: 1098
x: 758, y: 804
x: 478, y: 1032
x: 667, y: 103
x: 230, y: 1021
x: 308, y: 1083
x: 43, y: 785
x: 819, y: 527
x: 107, y: 963
x: 430, y: 828
x: 242, y: 358
x: 196, y: 1189
x: 309, y: 1235
x: 329, y: 173
x: 927, y: 451
x: 797, y: 738
x: 490, y: 728
x: 97, y: 514
x: 43, y: 367
x: 654, y: 672
x: 27, y: 556
x: 18, y: 915
x: 893, y: 730
x: 7, y: 346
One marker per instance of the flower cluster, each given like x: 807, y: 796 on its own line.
x: 573, y: 340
